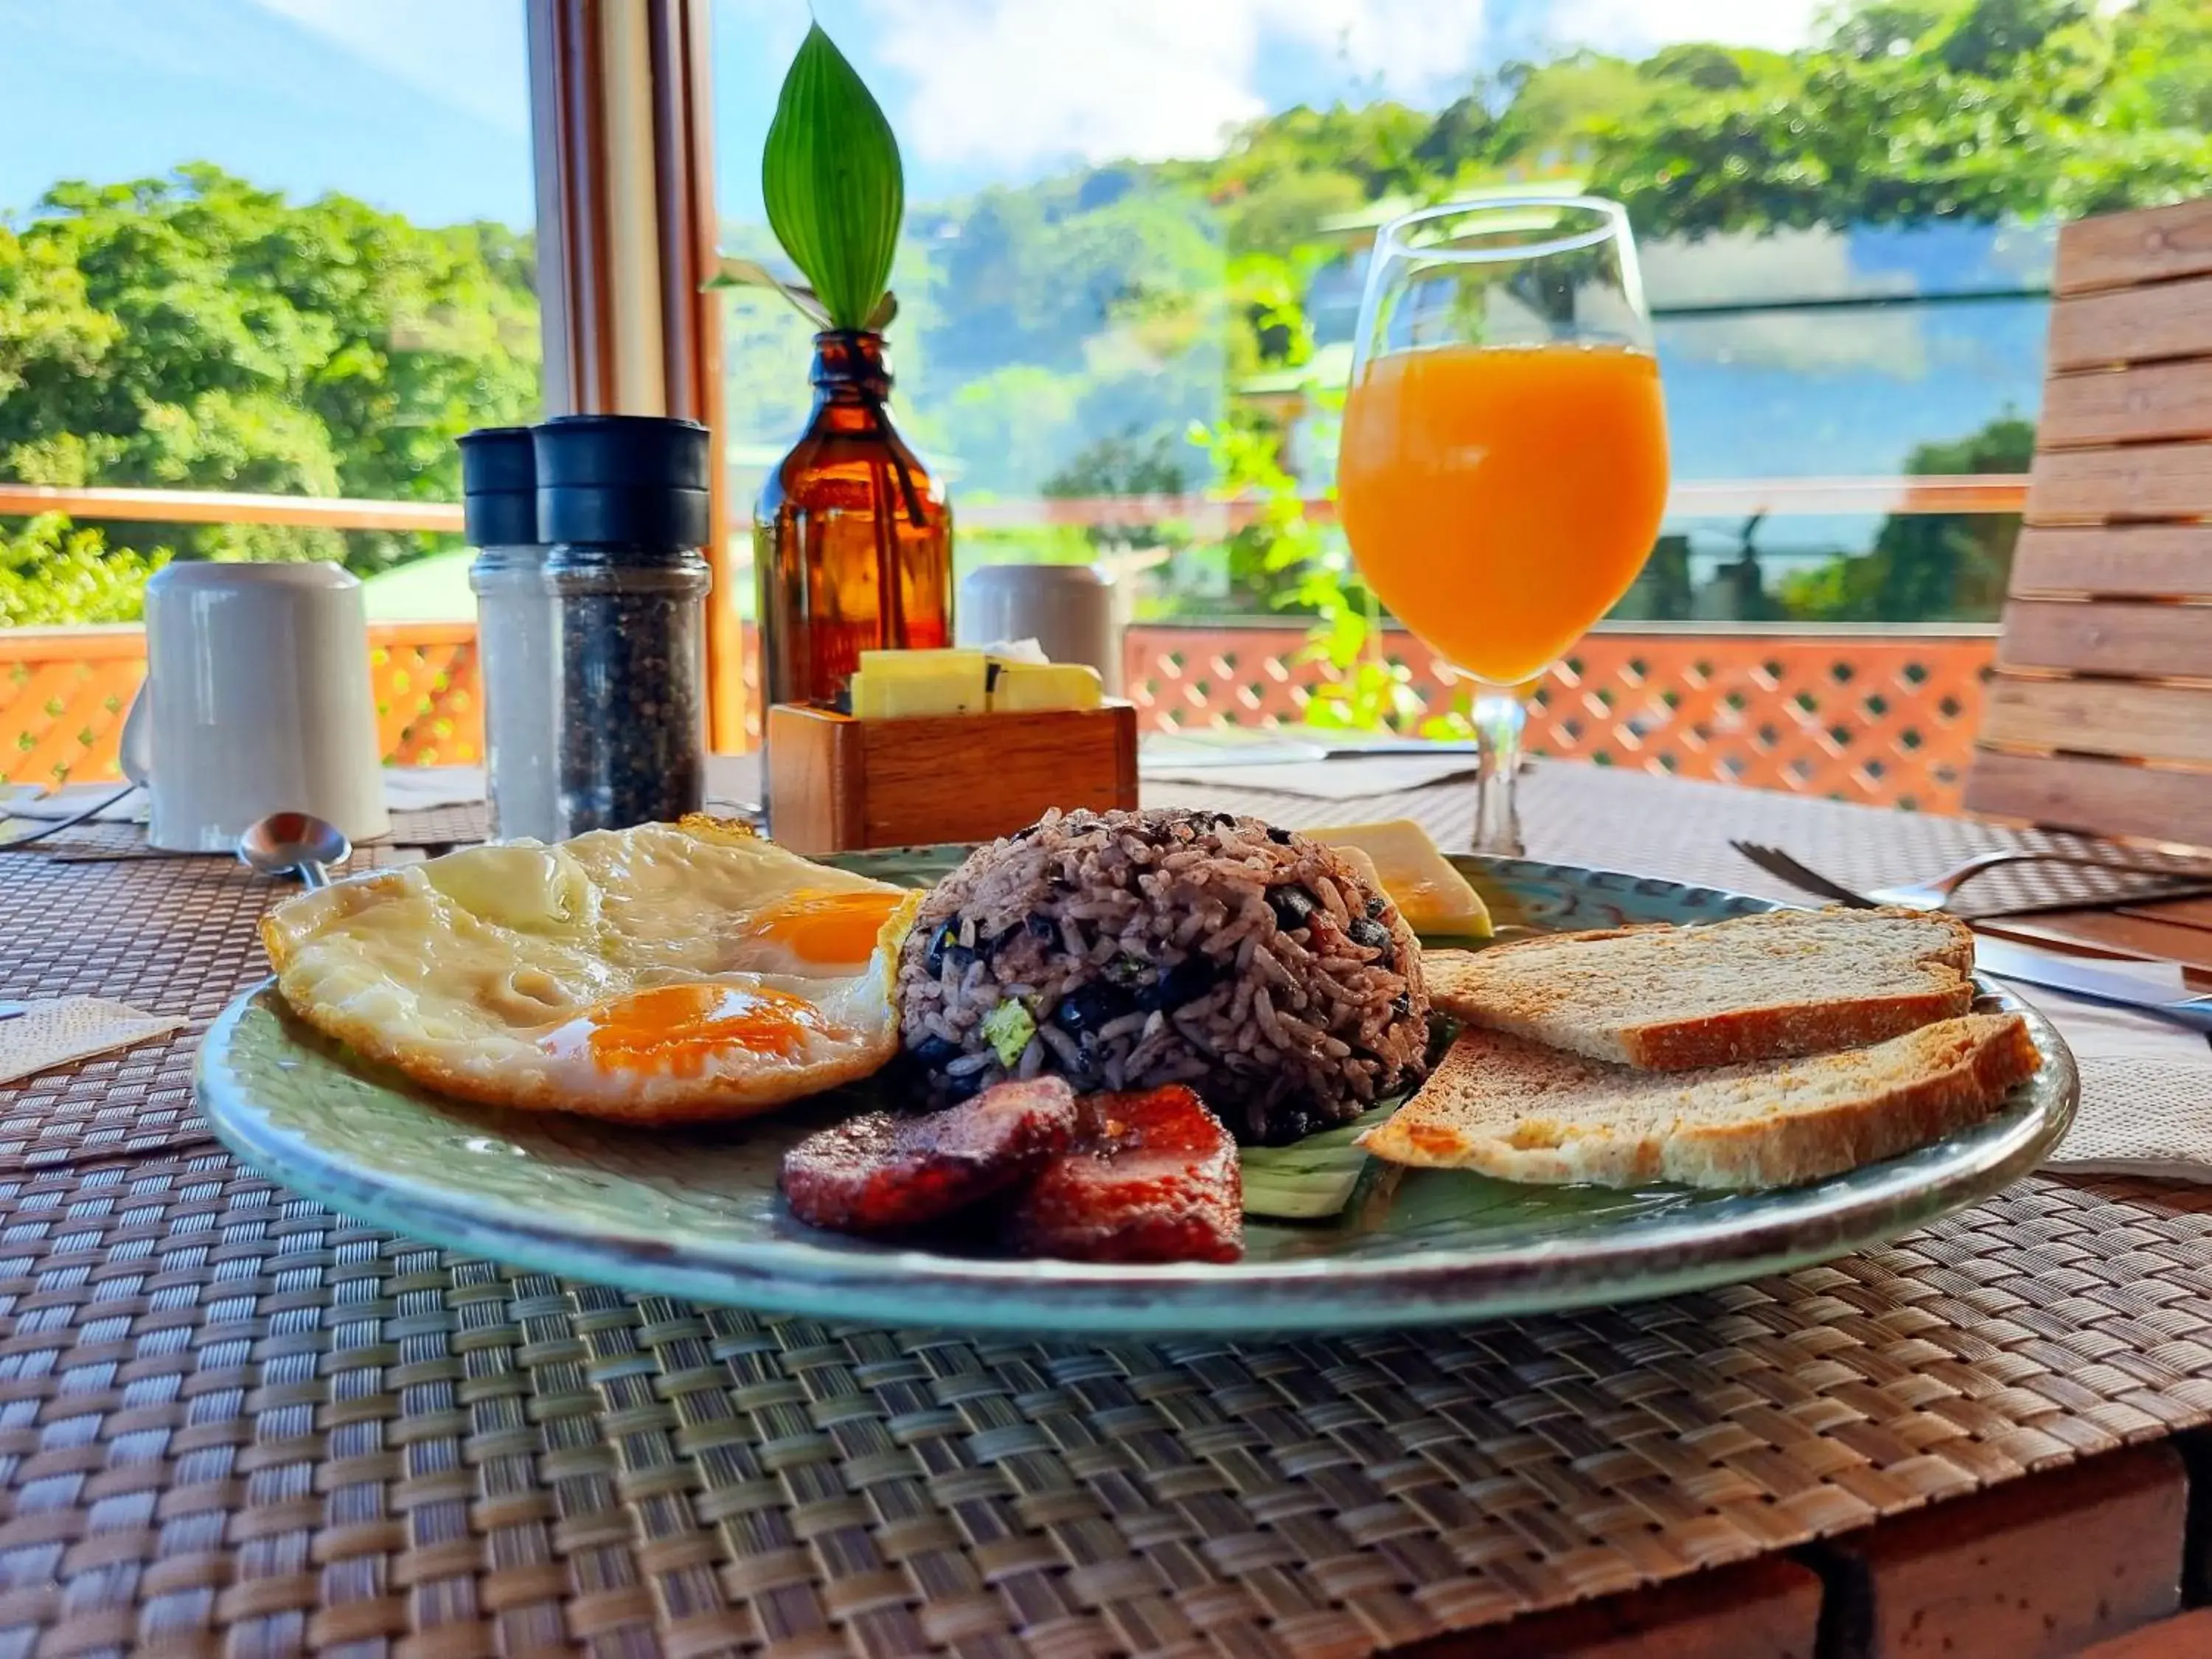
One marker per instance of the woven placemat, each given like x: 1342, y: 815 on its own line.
x: 173, y: 936
x: 230, y: 1418
x: 1636, y: 821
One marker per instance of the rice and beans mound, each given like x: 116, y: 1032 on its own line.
x: 1124, y: 950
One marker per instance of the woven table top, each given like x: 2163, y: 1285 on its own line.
x: 230, y: 1418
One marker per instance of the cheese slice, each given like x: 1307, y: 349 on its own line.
x: 1434, y: 898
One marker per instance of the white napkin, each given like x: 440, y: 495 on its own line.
x: 419, y: 788
x: 1296, y: 764
x: 1325, y: 780
x: 406, y: 789
x: 2146, y: 1086
x: 50, y: 1034
x: 30, y: 801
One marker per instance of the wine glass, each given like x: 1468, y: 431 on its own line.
x: 1503, y: 463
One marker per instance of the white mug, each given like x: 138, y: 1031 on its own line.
x: 1068, y: 609
x: 256, y: 700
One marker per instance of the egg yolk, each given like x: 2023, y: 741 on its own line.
x: 676, y: 1029
x: 826, y: 927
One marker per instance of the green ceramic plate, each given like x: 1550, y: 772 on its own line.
x: 695, y: 1213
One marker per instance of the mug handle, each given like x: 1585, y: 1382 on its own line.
x: 135, y: 751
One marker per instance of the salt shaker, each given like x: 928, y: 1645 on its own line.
x: 514, y: 630
x: 621, y: 501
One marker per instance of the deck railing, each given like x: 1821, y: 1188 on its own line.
x: 1885, y: 718
x: 1880, y: 715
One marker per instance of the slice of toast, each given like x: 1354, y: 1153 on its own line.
x: 1753, y: 987
x: 1521, y: 1112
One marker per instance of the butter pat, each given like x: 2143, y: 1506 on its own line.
x: 961, y: 660
x: 1036, y: 687
x: 904, y: 684
x: 1434, y: 898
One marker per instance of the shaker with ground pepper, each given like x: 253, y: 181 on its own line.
x: 622, y: 501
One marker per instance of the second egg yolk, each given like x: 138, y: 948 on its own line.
x: 827, y: 929
x: 675, y: 1029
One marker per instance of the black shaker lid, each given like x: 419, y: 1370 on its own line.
x: 499, y: 486
x: 622, y: 480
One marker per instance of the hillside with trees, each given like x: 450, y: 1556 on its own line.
x: 195, y: 332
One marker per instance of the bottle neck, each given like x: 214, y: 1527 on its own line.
x: 852, y: 379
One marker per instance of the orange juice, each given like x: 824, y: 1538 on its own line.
x: 1500, y: 498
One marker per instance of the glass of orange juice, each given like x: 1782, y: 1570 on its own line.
x: 1503, y: 463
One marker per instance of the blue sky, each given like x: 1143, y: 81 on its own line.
x: 420, y: 105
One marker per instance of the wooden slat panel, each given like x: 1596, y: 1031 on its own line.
x: 2101, y: 797
x: 2147, y: 245
x: 2123, y: 933
x: 2182, y: 913
x: 2130, y: 405
x: 2129, y: 324
x: 2150, y: 481
x: 2111, y: 637
x: 2150, y: 562
x: 2102, y: 717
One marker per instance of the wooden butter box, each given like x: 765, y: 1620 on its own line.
x: 836, y: 784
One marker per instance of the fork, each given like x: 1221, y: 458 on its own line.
x: 1937, y: 894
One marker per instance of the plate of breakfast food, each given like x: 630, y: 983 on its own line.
x: 1123, y: 1073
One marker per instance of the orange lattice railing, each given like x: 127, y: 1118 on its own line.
x: 64, y: 692
x: 1884, y: 718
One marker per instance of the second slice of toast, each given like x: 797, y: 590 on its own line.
x: 1510, y: 1108
x: 1761, y: 986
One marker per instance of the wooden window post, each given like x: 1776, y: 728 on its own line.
x: 623, y: 126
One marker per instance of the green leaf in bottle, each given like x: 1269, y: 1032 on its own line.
x: 832, y: 181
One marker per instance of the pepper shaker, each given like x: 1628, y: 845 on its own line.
x: 621, y: 501
x: 514, y: 630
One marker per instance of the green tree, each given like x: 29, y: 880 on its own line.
x: 1928, y: 567
x: 53, y: 576
x: 198, y: 332
x: 1926, y: 109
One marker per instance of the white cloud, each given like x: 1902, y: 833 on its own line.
x: 1631, y: 26
x: 1740, y: 268
x: 1012, y: 83
x: 469, y: 55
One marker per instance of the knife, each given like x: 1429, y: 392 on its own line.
x: 2083, y: 979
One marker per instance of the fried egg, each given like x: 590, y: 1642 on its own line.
x: 672, y: 973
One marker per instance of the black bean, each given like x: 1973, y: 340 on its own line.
x: 1377, y: 909
x: 933, y: 1051
x: 1186, y: 981
x: 1087, y: 1007
x: 1372, y: 934
x: 1293, y: 905
x: 1041, y: 927
x: 1280, y: 837
x: 1401, y: 1005
x: 934, y: 961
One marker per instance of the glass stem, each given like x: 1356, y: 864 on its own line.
x: 1499, y: 718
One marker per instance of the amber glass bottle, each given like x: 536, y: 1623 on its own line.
x: 852, y: 538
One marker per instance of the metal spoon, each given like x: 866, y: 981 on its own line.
x: 295, y: 843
